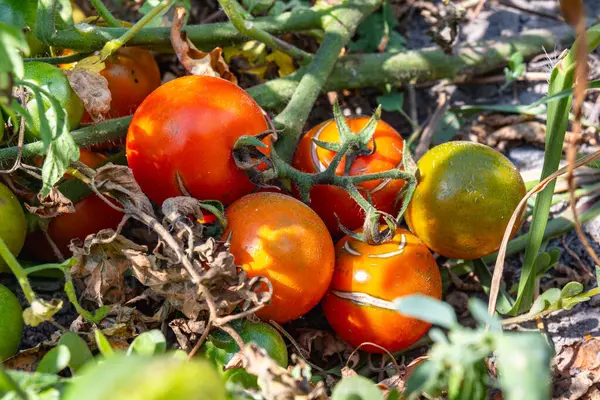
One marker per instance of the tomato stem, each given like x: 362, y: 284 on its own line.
x: 17, y: 270
x: 247, y: 28
x: 106, y: 14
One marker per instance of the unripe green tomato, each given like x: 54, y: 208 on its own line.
x: 13, y: 225
x: 53, y: 80
x: 11, y: 323
x: 220, y: 348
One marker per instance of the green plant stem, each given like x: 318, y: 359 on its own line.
x: 60, y: 59
x: 85, y: 37
x: 115, y: 44
x: 106, y: 14
x: 17, y: 270
x: 247, y: 28
x: 562, y: 78
x: 339, y: 28
x: 555, y: 228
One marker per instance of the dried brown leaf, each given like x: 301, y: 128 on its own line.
x: 119, y: 180
x: 277, y: 383
x: 197, y: 62
x: 578, y: 368
x: 53, y: 205
x: 321, y: 342
x: 101, y: 264
x: 187, y: 332
x: 92, y: 89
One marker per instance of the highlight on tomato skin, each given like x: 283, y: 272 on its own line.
x: 282, y: 239
x: 367, y: 279
x: 181, y: 139
x: 331, y: 201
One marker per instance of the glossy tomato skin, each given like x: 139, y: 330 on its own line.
x: 132, y: 74
x: 385, y: 272
x: 185, y: 130
x: 13, y: 225
x: 466, y: 194
x: 329, y: 201
x: 91, y: 215
x: 279, y: 237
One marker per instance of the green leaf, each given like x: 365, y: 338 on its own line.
x: 482, y: 271
x: 370, y: 32
x: 55, y: 360
x: 8, y: 385
x: 138, y: 377
x: 79, y: 351
x: 424, y: 378
x: 61, y: 152
x: 426, y: 309
x: 523, y: 362
x: 12, y: 41
x: 391, y: 102
x: 448, y: 128
x: 356, y: 388
x: 148, y: 343
x: 571, y: 289
x: 480, y: 313
x: 516, y: 60
x: 470, y: 110
x: 103, y: 344
x: 27, y: 385
x: 544, y: 300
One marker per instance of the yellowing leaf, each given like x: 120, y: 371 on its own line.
x: 284, y: 62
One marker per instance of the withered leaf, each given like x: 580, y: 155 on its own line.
x: 92, y: 89
x: 119, y: 180
x: 54, y: 204
x: 322, y: 342
x: 197, y: 62
x: 578, y: 368
x: 187, y: 332
x: 101, y: 264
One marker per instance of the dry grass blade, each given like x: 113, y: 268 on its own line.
x: 499, y: 267
x: 581, y: 80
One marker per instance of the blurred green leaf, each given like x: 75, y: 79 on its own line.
x: 448, y: 128
x: 148, y: 343
x: 79, y: 351
x: 55, y: 360
x: 571, y: 289
x: 523, y: 362
x: 391, y: 102
x: 426, y: 309
x: 12, y: 41
x: 371, y: 31
x: 356, y: 388
x: 479, y: 311
x: 103, y: 344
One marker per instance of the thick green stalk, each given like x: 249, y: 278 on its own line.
x: 562, y: 78
x: 339, y: 28
x: 106, y: 14
x: 84, y: 37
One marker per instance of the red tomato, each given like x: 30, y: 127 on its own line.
x: 367, y: 278
x: 184, y: 132
x: 279, y: 237
x: 91, y: 215
x: 132, y: 74
x: 329, y: 201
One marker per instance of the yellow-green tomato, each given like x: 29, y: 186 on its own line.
x: 220, y: 348
x: 466, y: 194
x: 13, y: 225
x: 11, y: 323
x: 54, y: 81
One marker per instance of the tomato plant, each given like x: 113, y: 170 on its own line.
x: 132, y: 74
x: 279, y: 237
x: 220, y: 348
x: 11, y: 323
x: 13, y: 226
x: 91, y: 215
x: 365, y: 281
x: 182, y: 137
x: 466, y: 194
x: 55, y: 81
x: 329, y: 201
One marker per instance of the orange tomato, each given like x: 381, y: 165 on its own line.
x: 279, y: 237
x: 183, y: 134
x: 367, y: 278
x: 132, y: 74
x: 329, y: 201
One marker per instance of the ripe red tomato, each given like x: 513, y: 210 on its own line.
x: 132, y: 74
x: 91, y: 215
x: 367, y: 278
x: 279, y: 237
x: 184, y: 132
x: 329, y: 201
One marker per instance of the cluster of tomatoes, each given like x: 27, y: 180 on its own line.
x: 180, y: 142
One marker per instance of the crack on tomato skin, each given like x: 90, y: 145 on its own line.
x: 351, y: 250
x: 399, y: 251
x: 364, y: 299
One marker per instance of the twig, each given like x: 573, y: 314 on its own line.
x: 508, y: 3
x: 201, y: 340
x: 248, y: 28
x: 427, y: 134
x: 296, y: 345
